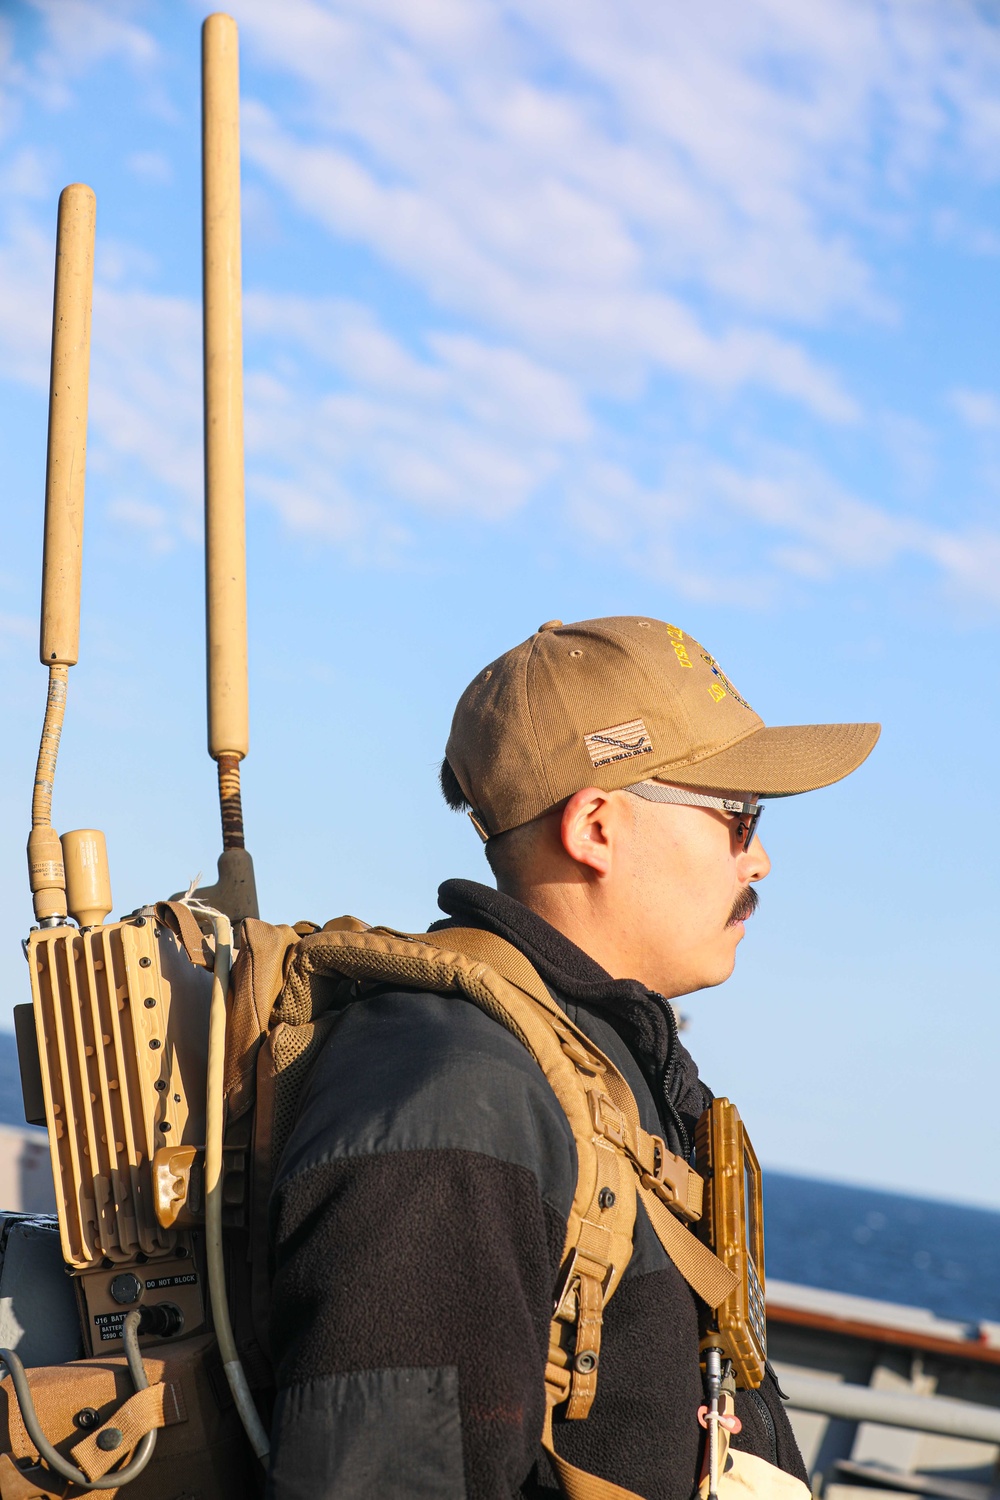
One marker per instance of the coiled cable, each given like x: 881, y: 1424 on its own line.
x: 48, y: 749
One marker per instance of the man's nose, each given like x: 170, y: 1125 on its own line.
x: 760, y: 865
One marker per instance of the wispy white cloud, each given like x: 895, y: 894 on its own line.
x: 580, y: 199
x: 25, y: 175
x: 537, y: 261
x: 150, y: 166
x: 80, y: 34
x: 979, y: 410
x: 26, y: 268
x: 592, y: 144
x: 145, y: 379
x: 466, y: 427
x: 145, y: 397
x: 153, y: 522
x: 781, y: 514
x: 576, y: 178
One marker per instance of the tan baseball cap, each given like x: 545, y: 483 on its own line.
x: 608, y: 703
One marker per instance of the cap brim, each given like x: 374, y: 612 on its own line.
x: 783, y: 761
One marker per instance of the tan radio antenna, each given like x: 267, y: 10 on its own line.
x: 81, y: 855
x: 225, y: 527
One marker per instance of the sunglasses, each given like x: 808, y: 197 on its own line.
x: 749, y: 812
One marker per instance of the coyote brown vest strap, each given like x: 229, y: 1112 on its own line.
x: 617, y: 1161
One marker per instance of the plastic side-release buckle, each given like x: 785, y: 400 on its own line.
x: 670, y: 1177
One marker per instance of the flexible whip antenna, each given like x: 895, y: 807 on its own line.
x: 59, y: 646
x: 225, y: 525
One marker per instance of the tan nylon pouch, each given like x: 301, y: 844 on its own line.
x: 278, y: 1021
x: 283, y: 1063
x: 200, y: 1447
x: 748, y: 1477
x: 156, y: 1406
x: 744, y: 1476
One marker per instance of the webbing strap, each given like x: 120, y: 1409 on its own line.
x: 616, y: 1117
x: 589, y: 1317
x: 181, y: 920
x: 574, y: 1482
x: 701, y: 1269
x: 156, y: 1406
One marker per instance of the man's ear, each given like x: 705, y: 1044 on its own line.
x: 587, y: 829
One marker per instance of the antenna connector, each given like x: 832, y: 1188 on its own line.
x: 47, y: 876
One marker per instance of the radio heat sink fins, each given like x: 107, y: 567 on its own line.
x: 121, y: 1018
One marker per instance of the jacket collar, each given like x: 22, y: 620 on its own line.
x: 643, y: 1019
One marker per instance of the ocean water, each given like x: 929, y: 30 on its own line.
x: 940, y: 1256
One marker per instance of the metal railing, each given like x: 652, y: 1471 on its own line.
x: 859, y: 1403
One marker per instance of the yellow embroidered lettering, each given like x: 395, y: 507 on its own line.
x: 722, y: 685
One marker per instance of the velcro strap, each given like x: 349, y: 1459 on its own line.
x: 157, y: 1406
x: 701, y: 1269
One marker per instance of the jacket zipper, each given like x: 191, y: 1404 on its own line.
x: 668, y: 1073
x: 765, y: 1412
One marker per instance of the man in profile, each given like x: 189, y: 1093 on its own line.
x: 420, y: 1210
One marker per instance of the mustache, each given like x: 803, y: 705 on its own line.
x: 744, y: 906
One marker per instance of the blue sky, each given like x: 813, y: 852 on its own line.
x: 552, y: 310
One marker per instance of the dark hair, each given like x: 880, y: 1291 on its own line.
x: 451, y: 791
x: 505, y: 852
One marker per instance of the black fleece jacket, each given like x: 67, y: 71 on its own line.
x: 418, y: 1221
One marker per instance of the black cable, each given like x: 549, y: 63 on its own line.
x: 56, y: 1462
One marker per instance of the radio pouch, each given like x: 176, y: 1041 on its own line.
x: 201, y: 1449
